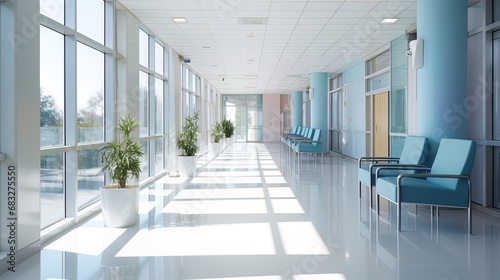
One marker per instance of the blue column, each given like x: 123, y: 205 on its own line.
x: 297, y: 108
x: 319, y: 104
x: 442, y: 81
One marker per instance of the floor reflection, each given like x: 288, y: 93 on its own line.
x: 254, y: 213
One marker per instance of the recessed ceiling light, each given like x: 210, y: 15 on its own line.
x: 388, y: 20
x: 180, y: 20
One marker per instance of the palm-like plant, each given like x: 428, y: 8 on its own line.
x: 122, y: 156
x: 217, y: 132
x: 228, y: 127
x: 187, y: 142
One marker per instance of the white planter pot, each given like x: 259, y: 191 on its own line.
x: 214, y: 148
x: 120, y: 207
x: 186, y: 165
x: 229, y: 141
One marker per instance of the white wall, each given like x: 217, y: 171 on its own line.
x: 20, y: 124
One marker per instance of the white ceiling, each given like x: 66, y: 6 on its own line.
x: 271, y: 46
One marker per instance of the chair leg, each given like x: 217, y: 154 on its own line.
x: 398, y: 215
x: 469, y: 220
x: 359, y: 188
x: 371, y: 196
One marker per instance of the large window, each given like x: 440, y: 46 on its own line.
x: 73, y: 73
x: 153, y: 84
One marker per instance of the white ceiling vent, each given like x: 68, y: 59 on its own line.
x: 252, y: 20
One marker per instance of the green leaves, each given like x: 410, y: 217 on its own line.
x: 228, y: 128
x: 217, y: 132
x: 122, y: 156
x: 187, y: 142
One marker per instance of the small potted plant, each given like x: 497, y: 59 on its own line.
x: 187, y: 144
x: 228, y: 127
x: 122, y: 160
x: 217, y: 134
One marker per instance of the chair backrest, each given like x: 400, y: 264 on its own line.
x: 454, y: 156
x: 295, y: 129
x: 305, y: 131
x: 310, y: 133
x: 414, y: 150
x: 316, y: 137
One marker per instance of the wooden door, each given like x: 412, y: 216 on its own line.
x: 381, y: 124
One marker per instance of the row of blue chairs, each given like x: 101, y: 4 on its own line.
x: 304, y: 140
x: 407, y: 180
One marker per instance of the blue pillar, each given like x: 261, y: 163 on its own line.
x: 319, y: 104
x: 297, y: 108
x: 442, y: 81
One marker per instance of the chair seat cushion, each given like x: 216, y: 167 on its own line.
x: 308, y: 148
x: 421, y: 191
x: 365, y: 179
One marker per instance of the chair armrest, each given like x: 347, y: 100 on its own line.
x: 394, y: 166
x: 377, y: 159
x: 444, y: 176
x: 293, y: 139
x: 414, y: 167
x: 307, y: 141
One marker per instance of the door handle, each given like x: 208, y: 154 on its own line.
x: 2, y: 157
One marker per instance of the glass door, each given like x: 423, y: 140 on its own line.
x: 246, y: 113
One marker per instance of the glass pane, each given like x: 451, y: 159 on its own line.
x: 143, y: 103
x: 159, y: 105
x: 143, y: 48
x: 378, y: 63
x: 496, y: 86
x: 185, y: 104
x: 399, y: 81
x: 52, y: 189
x: 495, y: 10
x: 53, y: 9
x: 159, y: 155
x: 90, y: 19
x: 378, y: 82
x: 90, y: 94
x: 475, y: 14
x: 475, y: 84
x: 145, y: 160
x: 51, y: 88
x: 192, y: 79
x: 158, y: 58
x: 89, y: 178
x: 192, y: 105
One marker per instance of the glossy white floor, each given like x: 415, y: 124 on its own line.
x: 252, y: 213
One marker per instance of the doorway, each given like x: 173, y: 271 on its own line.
x: 381, y: 124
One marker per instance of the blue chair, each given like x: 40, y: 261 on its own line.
x: 296, y: 130
x: 307, y: 135
x: 309, y: 145
x: 413, y: 154
x: 447, y: 183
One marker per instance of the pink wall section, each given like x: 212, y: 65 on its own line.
x: 271, y: 105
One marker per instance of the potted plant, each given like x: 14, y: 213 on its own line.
x: 187, y: 143
x: 217, y: 134
x: 122, y: 160
x: 228, y: 128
